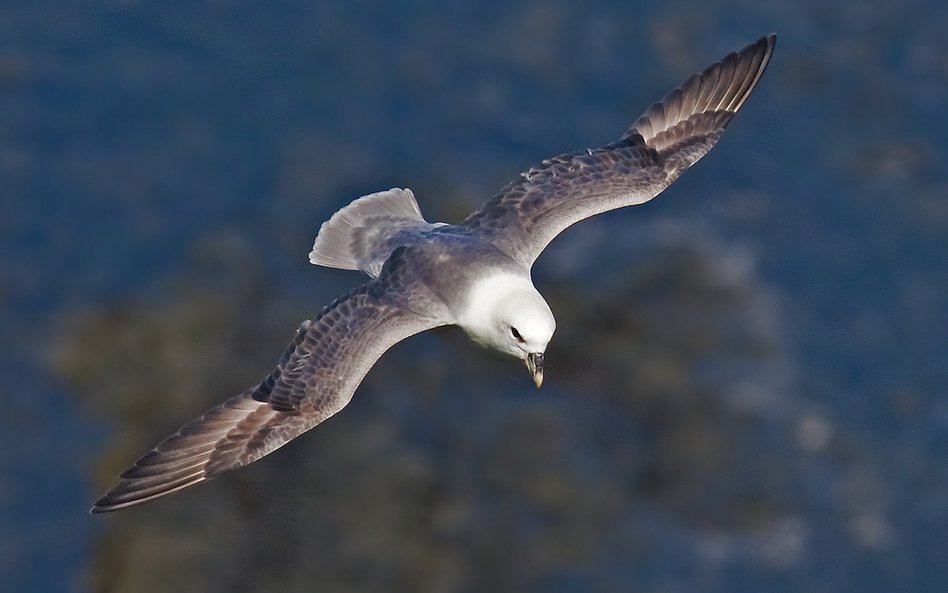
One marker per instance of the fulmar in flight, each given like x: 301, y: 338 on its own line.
x: 423, y: 275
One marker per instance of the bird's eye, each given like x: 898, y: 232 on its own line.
x: 516, y: 334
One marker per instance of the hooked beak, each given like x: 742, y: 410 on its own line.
x: 534, y: 362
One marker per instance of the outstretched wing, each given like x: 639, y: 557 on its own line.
x: 315, y: 378
x: 669, y: 137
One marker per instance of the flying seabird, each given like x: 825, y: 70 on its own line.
x: 423, y: 275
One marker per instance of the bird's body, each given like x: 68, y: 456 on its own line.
x: 477, y: 297
x: 422, y: 275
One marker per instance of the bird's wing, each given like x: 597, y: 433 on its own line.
x: 314, y: 379
x: 667, y: 139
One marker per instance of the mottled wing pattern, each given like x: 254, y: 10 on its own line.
x: 315, y: 378
x: 669, y: 137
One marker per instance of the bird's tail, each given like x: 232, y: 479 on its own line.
x: 357, y: 237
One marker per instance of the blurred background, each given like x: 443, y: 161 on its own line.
x: 747, y: 389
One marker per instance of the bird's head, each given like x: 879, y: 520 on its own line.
x: 522, y: 327
x: 507, y: 314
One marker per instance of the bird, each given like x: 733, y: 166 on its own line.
x: 475, y: 274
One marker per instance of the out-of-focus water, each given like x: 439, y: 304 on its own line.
x: 165, y: 166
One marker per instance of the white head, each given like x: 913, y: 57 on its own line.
x: 507, y: 313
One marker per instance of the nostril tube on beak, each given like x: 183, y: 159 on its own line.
x: 535, y: 366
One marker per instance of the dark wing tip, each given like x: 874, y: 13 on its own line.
x: 222, y: 435
x: 127, y: 493
x: 707, y: 101
x: 759, y: 54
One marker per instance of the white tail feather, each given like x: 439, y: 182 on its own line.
x: 339, y: 245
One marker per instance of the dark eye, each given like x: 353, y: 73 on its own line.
x: 516, y: 334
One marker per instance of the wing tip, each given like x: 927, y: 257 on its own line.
x: 762, y: 49
x: 123, y: 496
x: 723, y: 86
x: 766, y: 43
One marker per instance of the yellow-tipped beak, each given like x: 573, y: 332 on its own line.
x: 535, y: 366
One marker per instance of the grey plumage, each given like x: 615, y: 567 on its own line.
x: 670, y: 136
x: 425, y: 275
